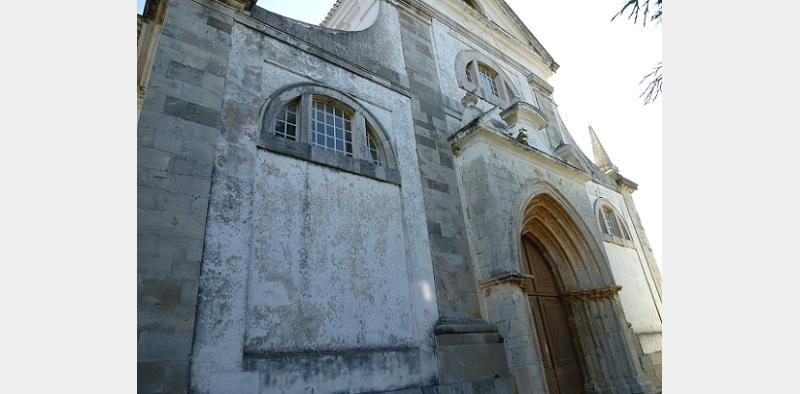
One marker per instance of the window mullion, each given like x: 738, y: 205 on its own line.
x: 360, y: 150
x: 477, y: 77
x: 304, y: 117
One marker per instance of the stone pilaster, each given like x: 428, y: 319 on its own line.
x: 456, y: 288
x: 178, y: 130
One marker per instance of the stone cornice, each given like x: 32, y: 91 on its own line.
x: 480, y: 128
x: 523, y: 281
x: 253, y: 22
x: 330, y: 13
x: 605, y: 293
x: 540, y: 84
x: 626, y: 185
x: 240, y: 5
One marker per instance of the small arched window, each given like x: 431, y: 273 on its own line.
x: 471, y: 4
x: 306, y: 120
x: 286, y: 120
x: 480, y: 75
x: 611, y: 223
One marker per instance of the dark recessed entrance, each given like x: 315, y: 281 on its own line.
x: 560, y: 360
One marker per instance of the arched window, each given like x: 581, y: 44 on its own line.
x: 611, y: 222
x: 306, y: 120
x: 470, y: 4
x: 488, y: 80
x: 480, y: 75
x: 286, y: 121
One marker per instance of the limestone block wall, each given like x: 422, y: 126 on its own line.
x: 313, y: 278
x: 179, y: 124
x: 455, y: 286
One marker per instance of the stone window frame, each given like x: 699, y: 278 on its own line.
x: 467, y: 65
x: 600, y: 218
x: 363, y: 122
x: 474, y: 5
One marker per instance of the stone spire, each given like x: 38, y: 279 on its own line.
x: 600, y: 155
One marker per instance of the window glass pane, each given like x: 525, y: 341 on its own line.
x: 286, y: 121
x: 372, y: 147
x: 332, y: 130
x: 488, y: 80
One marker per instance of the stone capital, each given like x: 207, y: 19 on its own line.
x: 605, y: 293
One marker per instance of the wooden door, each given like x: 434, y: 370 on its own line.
x: 561, y: 368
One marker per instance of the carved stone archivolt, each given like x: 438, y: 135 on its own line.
x: 606, y: 293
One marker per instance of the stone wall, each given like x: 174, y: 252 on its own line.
x: 177, y: 133
x: 464, y: 365
x: 263, y: 271
x: 313, y: 278
x: 498, y: 176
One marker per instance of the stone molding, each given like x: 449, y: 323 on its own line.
x: 425, y: 11
x: 303, y: 151
x: 523, y: 281
x: 626, y: 185
x: 240, y: 5
x: 524, y: 111
x: 605, y: 293
x: 480, y: 128
x: 463, y: 326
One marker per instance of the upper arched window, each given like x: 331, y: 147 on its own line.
x: 470, y: 4
x: 611, y: 222
x: 306, y: 120
x: 480, y: 75
x: 488, y: 80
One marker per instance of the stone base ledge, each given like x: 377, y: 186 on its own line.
x: 489, y: 386
x: 463, y: 326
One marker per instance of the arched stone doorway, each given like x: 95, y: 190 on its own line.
x: 574, y: 304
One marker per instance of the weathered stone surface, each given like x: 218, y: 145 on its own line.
x: 272, y: 265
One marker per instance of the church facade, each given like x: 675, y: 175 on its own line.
x: 386, y: 202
